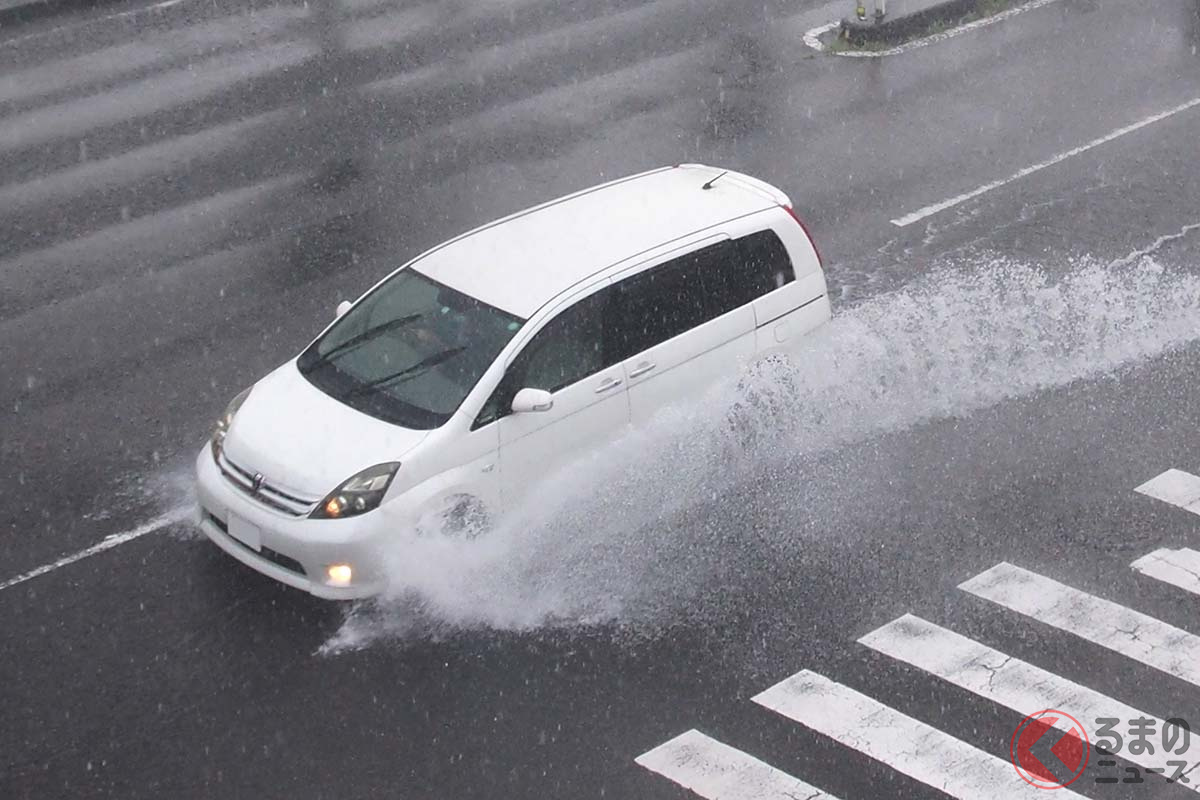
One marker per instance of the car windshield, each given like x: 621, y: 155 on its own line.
x: 409, y: 352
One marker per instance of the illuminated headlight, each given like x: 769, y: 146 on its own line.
x: 339, y: 574
x: 222, y: 428
x: 359, y: 494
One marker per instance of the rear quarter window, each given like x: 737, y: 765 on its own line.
x: 740, y: 271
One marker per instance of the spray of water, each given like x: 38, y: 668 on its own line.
x: 614, y: 542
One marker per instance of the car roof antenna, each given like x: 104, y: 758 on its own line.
x: 709, y: 185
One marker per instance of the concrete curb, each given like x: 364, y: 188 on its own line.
x: 898, y: 29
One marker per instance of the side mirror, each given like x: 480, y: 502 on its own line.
x: 342, y: 308
x: 528, y: 400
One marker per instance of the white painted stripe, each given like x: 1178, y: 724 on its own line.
x: 717, y: 771
x: 928, y: 211
x: 161, y: 6
x: 812, y: 37
x: 135, y: 165
x: 907, y: 745
x: 1176, y: 487
x: 193, y: 41
x: 925, y: 41
x: 1011, y: 682
x: 140, y: 98
x: 1122, y: 630
x: 1177, y: 567
x: 107, y: 543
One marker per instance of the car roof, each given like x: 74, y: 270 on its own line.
x: 521, y: 262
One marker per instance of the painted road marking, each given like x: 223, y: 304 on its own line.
x: 928, y: 211
x: 1011, y: 682
x: 158, y: 92
x: 812, y: 37
x: 107, y: 543
x: 907, y: 745
x: 162, y: 6
x: 717, y: 771
x: 1176, y: 487
x: 1115, y: 627
x: 1177, y: 567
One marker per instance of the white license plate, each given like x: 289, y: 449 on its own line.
x: 245, y: 532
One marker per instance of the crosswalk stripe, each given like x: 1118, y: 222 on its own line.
x: 1176, y: 487
x: 128, y: 57
x: 716, y: 771
x: 143, y: 97
x: 1011, y: 682
x: 137, y: 164
x: 907, y: 745
x: 1177, y: 567
x: 1122, y: 630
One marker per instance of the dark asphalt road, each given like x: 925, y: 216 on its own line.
x: 185, y: 193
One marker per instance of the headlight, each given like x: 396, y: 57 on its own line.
x: 359, y: 494
x: 222, y: 428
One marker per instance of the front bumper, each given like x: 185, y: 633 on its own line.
x: 294, y: 550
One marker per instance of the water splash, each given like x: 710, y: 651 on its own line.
x: 608, y: 541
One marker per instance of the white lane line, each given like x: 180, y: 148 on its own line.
x: 1011, y: 682
x: 717, y: 771
x: 1122, y: 630
x: 907, y: 745
x: 811, y: 37
x: 928, y: 211
x: 1177, y: 567
x: 1176, y: 487
x: 107, y: 543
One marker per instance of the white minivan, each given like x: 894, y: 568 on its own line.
x: 458, y: 380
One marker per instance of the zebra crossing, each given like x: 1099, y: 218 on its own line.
x: 714, y: 770
x: 179, y: 157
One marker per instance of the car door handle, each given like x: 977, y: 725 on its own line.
x: 609, y: 383
x: 641, y: 369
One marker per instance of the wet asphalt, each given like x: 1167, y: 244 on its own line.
x: 186, y: 192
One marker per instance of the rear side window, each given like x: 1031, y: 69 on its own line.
x: 569, y: 348
x: 746, y: 269
x: 667, y: 300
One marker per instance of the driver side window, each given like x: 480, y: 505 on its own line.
x: 571, y: 347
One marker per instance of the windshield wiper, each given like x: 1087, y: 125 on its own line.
x: 365, y: 336
x: 407, y: 372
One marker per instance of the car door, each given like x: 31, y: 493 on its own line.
x: 678, y: 336
x: 573, y: 358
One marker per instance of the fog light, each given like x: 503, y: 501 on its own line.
x: 340, y: 574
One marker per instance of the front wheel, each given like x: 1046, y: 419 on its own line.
x: 462, y: 516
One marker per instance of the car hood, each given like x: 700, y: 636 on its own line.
x: 302, y: 439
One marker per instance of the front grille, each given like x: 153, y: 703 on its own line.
x: 267, y: 494
x: 274, y: 556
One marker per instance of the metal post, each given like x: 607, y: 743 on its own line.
x: 860, y: 10
x: 880, y: 10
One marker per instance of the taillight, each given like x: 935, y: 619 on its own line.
x: 804, y: 228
